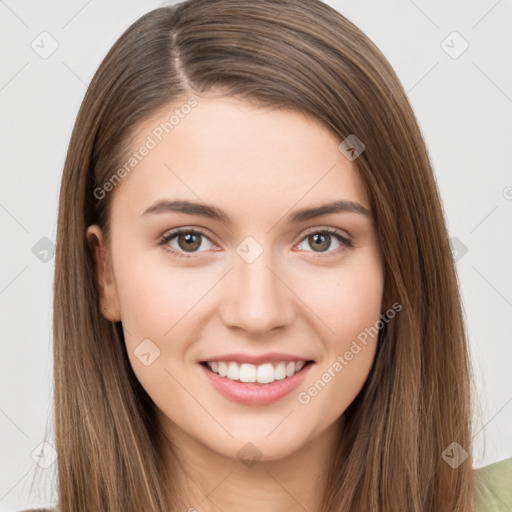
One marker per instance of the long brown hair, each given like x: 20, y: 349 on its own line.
x: 301, y: 55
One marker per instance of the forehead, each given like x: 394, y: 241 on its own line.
x: 229, y: 152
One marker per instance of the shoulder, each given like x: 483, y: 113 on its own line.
x: 495, y: 487
x: 37, y: 510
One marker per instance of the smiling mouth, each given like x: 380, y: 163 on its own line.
x: 258, y: 374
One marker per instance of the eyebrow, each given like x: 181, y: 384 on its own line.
x: 214, y: 213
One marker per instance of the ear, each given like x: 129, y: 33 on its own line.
x: 103, y: 275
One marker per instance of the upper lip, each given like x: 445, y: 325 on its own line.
x: 270, y: 357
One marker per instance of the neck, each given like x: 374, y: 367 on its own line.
x: 210, y: 482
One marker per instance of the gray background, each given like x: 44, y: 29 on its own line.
x: 463, y: 104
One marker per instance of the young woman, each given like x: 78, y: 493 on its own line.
x: 256, y: 305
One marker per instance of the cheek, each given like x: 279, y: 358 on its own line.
x: 158, y: 303
x: 156, y: 298
x: 350, y: 305
x: 348, y: 299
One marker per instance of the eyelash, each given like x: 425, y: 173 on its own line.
x: 169, y: 236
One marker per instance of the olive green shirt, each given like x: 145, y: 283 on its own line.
x: 495, y: 487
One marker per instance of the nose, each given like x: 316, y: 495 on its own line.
x: 257, y: 297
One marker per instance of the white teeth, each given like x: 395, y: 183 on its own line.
x: 233, y: 371
x: 247, y: 372
x: 222, y: 369
x: 280, y: 371
x: 263, y: 373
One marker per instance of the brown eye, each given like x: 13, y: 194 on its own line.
x: 320, y: 241
x: 188, y: 241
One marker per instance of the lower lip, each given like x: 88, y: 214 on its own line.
x: 256, y: 394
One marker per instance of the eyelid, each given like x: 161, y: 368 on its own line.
x: 329, y: 229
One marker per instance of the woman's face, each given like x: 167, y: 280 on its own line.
x: 252, y: 278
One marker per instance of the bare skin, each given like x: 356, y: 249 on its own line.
x: 303, y: 295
